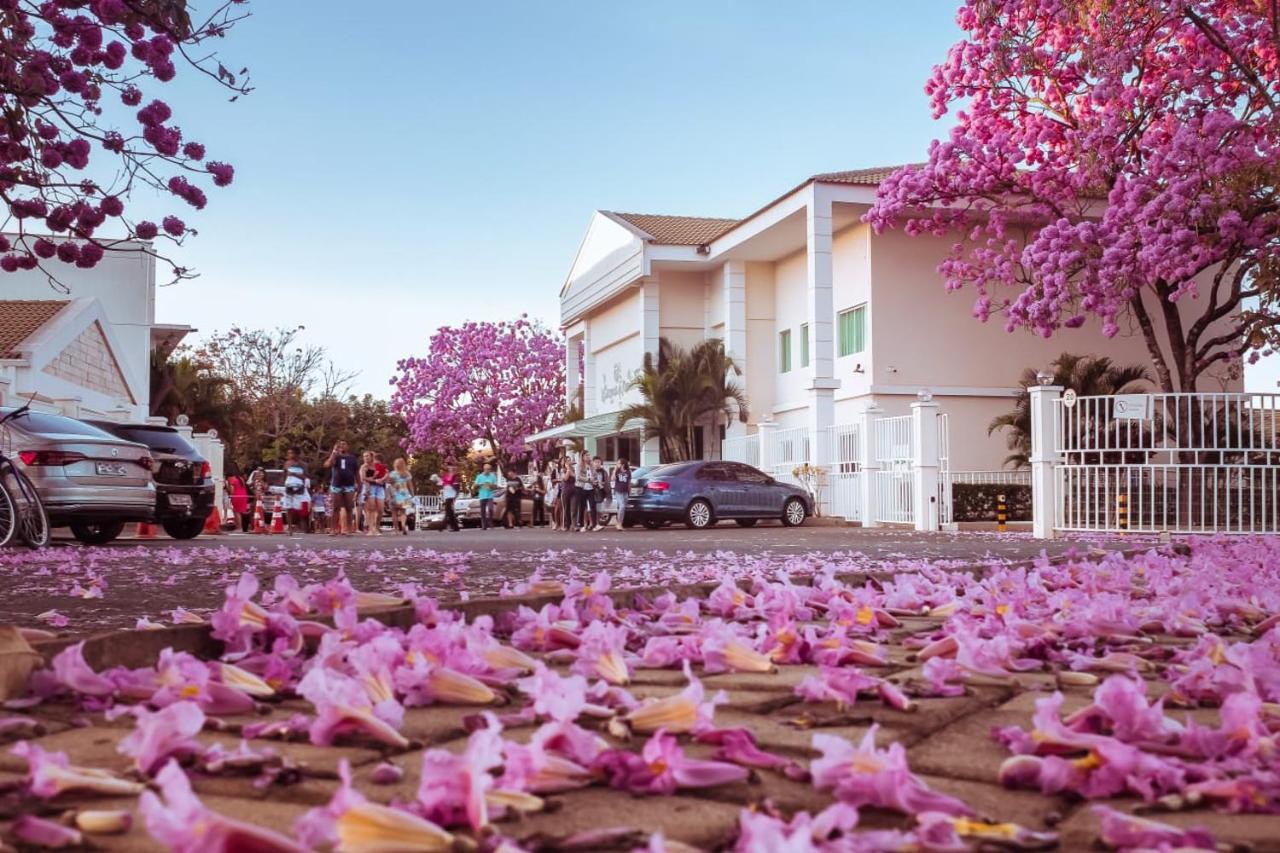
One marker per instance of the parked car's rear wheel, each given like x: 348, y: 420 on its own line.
x: 699, y: 515
x: 652, y: 524
x: 97, y: 534
x: 745, y: 522
x: 183, y: 528
x: 793, y: 512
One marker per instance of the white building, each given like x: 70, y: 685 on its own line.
x: 82, y: 347
x: 824, y: 317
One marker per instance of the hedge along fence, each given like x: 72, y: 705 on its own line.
x: 977, y: 501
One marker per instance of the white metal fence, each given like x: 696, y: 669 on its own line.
x: 1013, y: 477
x: 844, y: 449
x: 788, y: 450
x: 945, y: 505
x: 742, y: 448
x: 1182, y: 463
x: 894, y: 479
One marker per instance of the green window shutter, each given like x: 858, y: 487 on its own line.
x: 784, y: 351
x: 804, y: 344
x: 853, y: 330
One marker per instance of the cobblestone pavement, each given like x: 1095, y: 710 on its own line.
x: 947, y: 742
x: 113, y: 586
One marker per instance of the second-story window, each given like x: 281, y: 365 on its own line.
x: 804, y: 344
x: 852, y: 330
x: 784, y: 351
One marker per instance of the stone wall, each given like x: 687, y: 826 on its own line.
x: 88, y: 362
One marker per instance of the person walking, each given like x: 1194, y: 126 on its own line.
x: 343, y: 466
x: 599, y: 492
x: 295, y: 491
x: 258, y: 488
x: 538, y: 491
x: 239, y: 493
x: 486, y: 484
x: 553, y: 493
x: 621, y: 488
x: 400, y: 495
x: 514, y: 502
x: 372, y: 494
x: 449, y: 483
x: 568, y: 494
x: 319, y: 512
x: 585, y: 511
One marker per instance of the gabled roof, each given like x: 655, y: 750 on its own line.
x: 22, y: 318
x: 676, y: 230
x: 867, y: 177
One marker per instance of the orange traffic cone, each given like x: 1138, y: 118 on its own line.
x: 277, y: 519
x: 145, y: 530
x: 259, y: 520
x: 213, y: 524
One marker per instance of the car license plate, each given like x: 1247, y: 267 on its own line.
x: 180, y: 500
x: 637, y: 490
x: 110, y: 469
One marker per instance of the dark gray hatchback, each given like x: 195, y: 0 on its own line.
x: 184, y: 480
x: 702, y: 493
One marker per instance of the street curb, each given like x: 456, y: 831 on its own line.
x: 134, y: 648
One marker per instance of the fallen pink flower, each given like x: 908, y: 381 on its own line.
x: 1130, y: 832
x: 179, y: 820
x: 867, y: 775
x: 159, y: 736
x: 739, y: 746
x: 71, y: 671
x: 686, y: 711
x: 351, y: 823
x: 51, y: 773
x: 45, y: 834
x: 343, y: 707
x: 662, y: 768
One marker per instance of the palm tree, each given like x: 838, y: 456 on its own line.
x: 682, y: 392
x: 1088, y: 375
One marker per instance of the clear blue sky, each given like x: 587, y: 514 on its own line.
x: 428, y: 163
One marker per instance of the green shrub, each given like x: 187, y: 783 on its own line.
x: 977, y: 501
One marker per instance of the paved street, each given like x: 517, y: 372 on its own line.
x: 113, y: 586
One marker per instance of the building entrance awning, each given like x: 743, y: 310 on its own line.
x: 593, y: 427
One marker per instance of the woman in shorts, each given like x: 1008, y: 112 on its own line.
x: 400, y: 495
x: 373, y: 494
x: 296, y: 499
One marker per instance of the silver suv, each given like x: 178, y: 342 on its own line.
x: 88, y: 479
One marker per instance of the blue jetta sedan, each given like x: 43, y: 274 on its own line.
x: 702, y: 493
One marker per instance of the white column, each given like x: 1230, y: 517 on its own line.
x: 766, y: 430
x: 1044, y: 458
x: 821, y: 312
x: 650, y: 331
x: 924, y: 440
x: 735, y: 328
x: 868, y: 480
x: 571, y: 369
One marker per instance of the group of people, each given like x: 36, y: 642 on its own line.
x: 569, y: 494
x: 357, y: 491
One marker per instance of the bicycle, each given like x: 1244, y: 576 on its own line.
x: 22, y: 513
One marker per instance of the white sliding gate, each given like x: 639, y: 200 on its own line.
x: 894, y: 455
x: 1181, y: 463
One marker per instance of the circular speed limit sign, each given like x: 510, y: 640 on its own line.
x: 1069, y: 397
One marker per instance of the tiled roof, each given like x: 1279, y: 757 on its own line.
x: 701, y: 230
x: 678, y: 230
x: 20, y: 318
x: 867, y: 177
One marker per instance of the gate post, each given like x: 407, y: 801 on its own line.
x: 765, y: 430
x: 1045, y: 457
x: 869, y: 466
x: 925, y: 463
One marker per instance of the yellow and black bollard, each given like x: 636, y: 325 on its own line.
x: 1002, y: 514
x: 1122, y: 512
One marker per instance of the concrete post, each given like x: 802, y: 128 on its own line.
x: 1044, y: 458
x: 766, y: 430
x: 924, y: 464
x: 870, y: 466
x: 820, y: 303
x: 735, y: 330
x: 650, y: 334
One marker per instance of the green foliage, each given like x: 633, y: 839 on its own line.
x: 1088, y: 375
x: 977, y: 501
x: 682, y: 392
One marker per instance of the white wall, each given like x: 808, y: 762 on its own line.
x: 124, y: 282
x: 682, y: 307
x: 790, y: 306
x: 762, y: 353
x: 851, y: 261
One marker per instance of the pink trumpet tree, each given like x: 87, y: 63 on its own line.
x: 1113, y: 158
x: 79, y: 128
x: 492, y: 382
